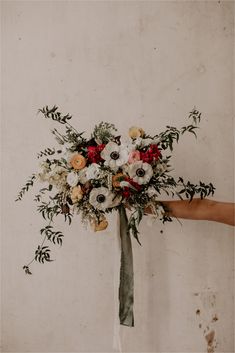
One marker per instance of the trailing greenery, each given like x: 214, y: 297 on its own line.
x: 55, y: 115
x: 134, y: 222
x: 46, y: 152
x: 25, y: 188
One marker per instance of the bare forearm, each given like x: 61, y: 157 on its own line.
x: 201, y: 209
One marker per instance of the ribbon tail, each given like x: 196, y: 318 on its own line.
x: 126, y: 287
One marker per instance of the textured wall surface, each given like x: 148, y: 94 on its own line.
x: 131, y: 63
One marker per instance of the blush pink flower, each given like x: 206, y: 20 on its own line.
x: 134, y: 156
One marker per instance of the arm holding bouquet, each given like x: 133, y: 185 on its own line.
x: 100, y: 174
x: 200, y: 209
x: 105, y: 172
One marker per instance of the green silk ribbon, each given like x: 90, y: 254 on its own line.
x: 126, y: 287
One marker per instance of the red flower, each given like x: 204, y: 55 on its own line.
x: 126, y: 192
x: 93, y: 153
x: 151, y: 154
x: 155, y: 151
x: 146, y: 157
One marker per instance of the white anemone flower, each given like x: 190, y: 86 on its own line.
x: 140, y: 172
x: 72, y: 179
x: 115, y: 155
x: 101, y: 198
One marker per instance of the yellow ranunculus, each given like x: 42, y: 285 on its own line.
x: 135, y: 132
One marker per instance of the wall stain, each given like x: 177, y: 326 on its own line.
x: 210, y: 338
x: 205, y: 311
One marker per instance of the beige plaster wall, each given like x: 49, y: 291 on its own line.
x: 131, y: 63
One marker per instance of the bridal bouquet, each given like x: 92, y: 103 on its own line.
x: 95, y: 175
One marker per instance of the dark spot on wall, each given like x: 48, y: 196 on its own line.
x: 161, y: 231
x: 215, y: 318
x: 198, y: 312
x: 52, y: 55
x: 200, y: 325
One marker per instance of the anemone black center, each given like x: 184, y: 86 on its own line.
x: 100, y: 198
x: 140, y: 172
x: 114, y: 155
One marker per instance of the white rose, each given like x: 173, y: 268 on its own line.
x: 82, y: 178
x: 72, y: 179
x: 93, y: 171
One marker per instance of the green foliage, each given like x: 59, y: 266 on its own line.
x: 46, y: 152
x: 29, y: 183
x: 43, y: 254
x: 168, y: 137
x: 134, y: 221
x: 27, y: 270
x: 38, y: 197
x: 104, y: 132
x: 54, y: 236
x: 190, y: 190
x: 47, y: 211
x: 195, y: 115
x: 54, y: 114
x: 172, y: 134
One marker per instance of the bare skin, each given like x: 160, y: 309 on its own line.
x: 198, y: 209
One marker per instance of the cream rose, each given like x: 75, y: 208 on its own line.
x: 72, y: 179
x: 76, y: 194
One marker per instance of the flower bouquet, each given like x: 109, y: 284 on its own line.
x: 103, y: 173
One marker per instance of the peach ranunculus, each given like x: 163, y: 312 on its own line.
x: 117, y: 178
x: 76, y: 194
x: 98, y: 226
x: 135, y: 132
x: 134, y: 156
x: 78, y: 161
